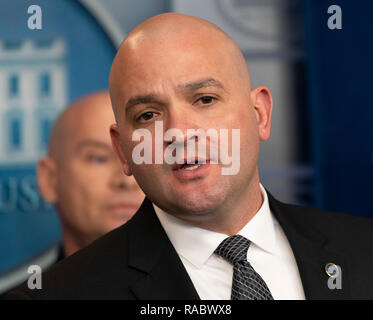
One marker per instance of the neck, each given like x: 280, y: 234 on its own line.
x: 71, y: 243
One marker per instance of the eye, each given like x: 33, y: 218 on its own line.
x: 146, y: 116
x: 97, y: 158
x: 206, y: 100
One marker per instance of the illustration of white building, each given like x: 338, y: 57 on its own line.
x: 32, y: 93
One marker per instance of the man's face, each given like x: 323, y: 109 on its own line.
x: 93, y: 194
x: 187, y: 86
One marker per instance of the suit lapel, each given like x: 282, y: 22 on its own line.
x: 311, y: 252
x: 151, y: 252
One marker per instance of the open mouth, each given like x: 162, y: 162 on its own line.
x: 191, y: 171
x: 190, y: 166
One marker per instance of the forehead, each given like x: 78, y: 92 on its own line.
x: 173, y: 64
x: 88, y: 123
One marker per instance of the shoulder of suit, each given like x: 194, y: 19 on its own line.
x: 95, y: 263
x: 329, y: 216
x: 336, y: 226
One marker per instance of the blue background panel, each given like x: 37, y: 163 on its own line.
x: 28, y: 225
x: 340, y: 78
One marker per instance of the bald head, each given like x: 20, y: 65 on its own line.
x: 169, y: 38
x: 81, y: 117
x: 174, y: 26
x: 82, y: 176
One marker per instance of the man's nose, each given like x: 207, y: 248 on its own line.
x: 178, y: 122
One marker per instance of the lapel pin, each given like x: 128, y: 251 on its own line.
x: 332, y: 270
x: 335, y: 276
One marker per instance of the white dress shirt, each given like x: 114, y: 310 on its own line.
x: 269, y: 254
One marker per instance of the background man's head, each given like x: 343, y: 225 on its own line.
x: 188, y: 73
x: 82, y: 175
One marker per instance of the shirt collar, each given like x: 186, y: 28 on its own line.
x: 197, y: 245
x: 260, y: 230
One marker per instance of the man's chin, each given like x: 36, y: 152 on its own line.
x: 111, y: 225
x: 198, y: 204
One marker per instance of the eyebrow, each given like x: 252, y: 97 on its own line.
x: 204, y: 83
x: 140, y: 99
x: 92, y: 143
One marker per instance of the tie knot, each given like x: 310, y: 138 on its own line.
x: 234, y: 249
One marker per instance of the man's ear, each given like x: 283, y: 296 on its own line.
x: 262, y: 100
x: 47, y: 179
x: 116, y: 143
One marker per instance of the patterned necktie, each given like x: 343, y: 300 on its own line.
x: 246, y: 284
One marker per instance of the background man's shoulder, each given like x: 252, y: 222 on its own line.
x: 97, y: 271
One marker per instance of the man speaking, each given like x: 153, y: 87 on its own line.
x: 202, y: 233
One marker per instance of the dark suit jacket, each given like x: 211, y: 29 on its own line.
x: 138, y: 261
